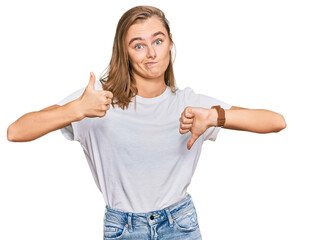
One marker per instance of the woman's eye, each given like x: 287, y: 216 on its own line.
x: 139, y: 46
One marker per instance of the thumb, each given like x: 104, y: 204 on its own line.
x: 189, y: 113
x: 191, y: 141
x: 91, y: 81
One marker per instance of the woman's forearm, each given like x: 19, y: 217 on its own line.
x: 253, y: 120
x: 33, y: 125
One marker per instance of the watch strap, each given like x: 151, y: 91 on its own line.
x: 221, y: 115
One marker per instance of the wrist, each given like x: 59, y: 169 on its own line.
x: 221, y: 119
x: 212, y: 119
x: 77, y: 110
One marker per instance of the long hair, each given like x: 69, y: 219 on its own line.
x: 119, y: 78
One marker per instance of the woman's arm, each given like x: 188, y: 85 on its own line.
x: 252, y: 120
x: 92, y: 103
x: 33, y: 125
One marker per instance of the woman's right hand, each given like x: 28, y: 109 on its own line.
x: 94, y: 103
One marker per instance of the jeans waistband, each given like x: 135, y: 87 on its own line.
x: 129, y: 219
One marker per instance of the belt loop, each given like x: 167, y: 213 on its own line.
x: 169, y: 217
x: 129, y: 219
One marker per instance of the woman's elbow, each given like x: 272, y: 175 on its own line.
x: 10, y: 135
x: 281, y: 124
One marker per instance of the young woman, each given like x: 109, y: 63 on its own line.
x: 144, y: 149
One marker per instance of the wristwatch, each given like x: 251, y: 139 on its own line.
x: 221, y: 115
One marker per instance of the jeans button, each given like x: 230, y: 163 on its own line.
x: 151, y: 217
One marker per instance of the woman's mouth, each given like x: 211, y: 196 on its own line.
x: 150, y: 63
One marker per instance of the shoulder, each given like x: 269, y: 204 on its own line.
x: 185, y: 91
x: 187, y: 96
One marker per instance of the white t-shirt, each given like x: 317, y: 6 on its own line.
x: 139, y: 159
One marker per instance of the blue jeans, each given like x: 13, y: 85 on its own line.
x: 178, y: 221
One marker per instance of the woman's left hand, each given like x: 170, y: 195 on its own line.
x: 196, y: 120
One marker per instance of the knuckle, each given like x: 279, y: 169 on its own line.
x: 110, y: 94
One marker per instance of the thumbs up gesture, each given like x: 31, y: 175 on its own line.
x: 94, y: 103
x: 196, y: 120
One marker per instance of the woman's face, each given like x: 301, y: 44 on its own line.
x: 148, y: 41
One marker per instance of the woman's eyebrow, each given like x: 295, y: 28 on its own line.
x: 153, y: 35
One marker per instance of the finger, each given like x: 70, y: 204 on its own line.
x: 183, y: 131
x: 108, y: 101
x: 106, y: 107
x: 191, y: 141
x: 91, y: 82
x: 186, y: 120
x: 188, y: 113
x: 185, y: 126
x: 108, y: 94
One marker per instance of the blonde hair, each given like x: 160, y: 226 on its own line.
x: 118, y: 78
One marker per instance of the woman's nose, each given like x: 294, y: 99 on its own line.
x: 151, y: 52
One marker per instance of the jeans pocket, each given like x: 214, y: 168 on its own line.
x: 187, y: 221
x: 113, y: 230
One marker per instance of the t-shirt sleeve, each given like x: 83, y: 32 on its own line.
x: 72, y: 131
x: 76, y: 130
x: 201, y: 100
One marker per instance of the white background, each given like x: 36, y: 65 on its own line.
x: 252, y: 54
